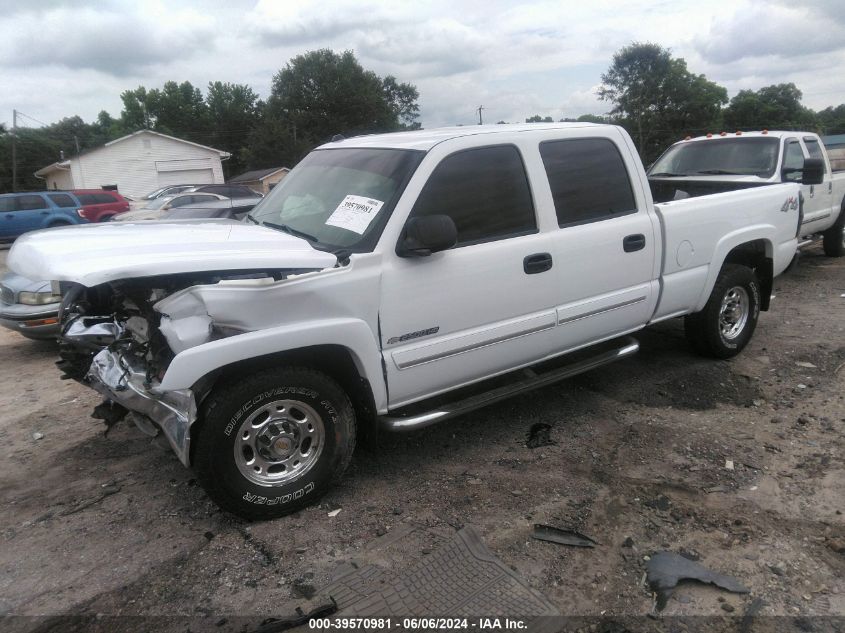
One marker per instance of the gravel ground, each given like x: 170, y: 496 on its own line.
x: 737, y: 463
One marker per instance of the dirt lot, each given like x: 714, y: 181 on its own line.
x: 639, y: 461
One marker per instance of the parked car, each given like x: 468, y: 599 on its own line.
x: 726, y: 162
x: 100, y: 205
x: 386, y: 282
x: 158, y: 193
x: 154, y: 208
x: 22, y: 212
x: 230, y: 209
x: 29, y: 307
x: 229, y: 191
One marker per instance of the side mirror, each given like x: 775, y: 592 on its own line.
x: 813, y: 171
x: 427, y: 234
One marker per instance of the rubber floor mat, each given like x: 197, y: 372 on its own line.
x: 461, y: 578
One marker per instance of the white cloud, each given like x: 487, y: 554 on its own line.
x: 59, y: 58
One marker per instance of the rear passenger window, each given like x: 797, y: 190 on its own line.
x: 588, y: 179
x: 7, y: 205
x: 86, y: 198
x: 103, y: 198
x: 485, y: 192
x: 29, y: 203
x: 61, y: 199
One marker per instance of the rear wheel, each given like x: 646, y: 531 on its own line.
x: 274, y: 442
x: 727, y: 322
x: 834, y: 237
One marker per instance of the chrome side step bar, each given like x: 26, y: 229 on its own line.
x: 396, y: 422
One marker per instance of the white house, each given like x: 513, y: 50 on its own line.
x: 137, y: 164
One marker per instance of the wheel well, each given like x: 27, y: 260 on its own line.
x: 335, y: 361
x: 755, y: 255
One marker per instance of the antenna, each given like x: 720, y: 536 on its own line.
x: 479, y: 109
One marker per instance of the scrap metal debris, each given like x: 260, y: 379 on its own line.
x: 666, y: 569
x: 561, y: 536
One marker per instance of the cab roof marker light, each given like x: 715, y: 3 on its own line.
x: 764, y: 132
x: 687, y: 137
x: 709, y: 135
x: 738, y: 133
x: 723, y: 133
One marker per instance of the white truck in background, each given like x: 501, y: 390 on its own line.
x: 725, y: 162
x: 394, y: 281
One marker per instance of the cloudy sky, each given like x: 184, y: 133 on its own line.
x: 60, y: 58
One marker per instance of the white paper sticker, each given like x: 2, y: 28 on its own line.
x: 355, y: 213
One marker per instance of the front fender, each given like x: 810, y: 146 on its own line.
x: 355, y: 335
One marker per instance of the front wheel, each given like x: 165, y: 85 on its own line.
x: 727, y: 322
x: 273, y: 442
x: 834, y: 237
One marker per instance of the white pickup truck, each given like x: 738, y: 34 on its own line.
x: 725, y: 162
x: 393, y: 281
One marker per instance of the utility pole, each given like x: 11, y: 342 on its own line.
x: 14, y: 151
x: 480, y: 108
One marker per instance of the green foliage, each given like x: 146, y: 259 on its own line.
x: 657, y: 99
x: 538, y: 119
x: 323, y: 93
x: 776, y: 107
x: 832, y: 120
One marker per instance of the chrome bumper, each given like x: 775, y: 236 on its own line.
x: 114, y: 376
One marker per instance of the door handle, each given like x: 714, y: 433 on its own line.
x: 812, y: 190
x: 537, y: 263
x: 9, y: 216
x: 634, y: 243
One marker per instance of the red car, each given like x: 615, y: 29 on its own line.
x: 100, y: 205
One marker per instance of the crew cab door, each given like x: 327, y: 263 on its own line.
x: 823, y: 192
x: 606, y: 244
x: 816, y: 205
x: 486, y: 305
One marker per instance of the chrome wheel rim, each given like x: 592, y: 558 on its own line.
x: 279, y: 442
x: 733, y: 315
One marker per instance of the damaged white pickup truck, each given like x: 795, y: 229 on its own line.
x: 394, y: 281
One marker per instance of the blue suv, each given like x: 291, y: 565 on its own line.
x: 22, y: 212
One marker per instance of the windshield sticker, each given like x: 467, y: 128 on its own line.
x: 355, y: 213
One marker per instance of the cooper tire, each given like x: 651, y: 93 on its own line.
x: 726, y: 324
x: 834, y: 237
x: 273, y: 442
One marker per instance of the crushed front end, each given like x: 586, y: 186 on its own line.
x: 110, y: 341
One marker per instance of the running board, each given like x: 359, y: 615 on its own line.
x: 396, y: 422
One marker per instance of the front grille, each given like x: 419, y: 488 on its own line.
x: 7, y: 296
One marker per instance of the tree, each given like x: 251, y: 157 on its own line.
x: 832, y: 120
x: 657, y: 99
x: 773, y: 107
x: 538, y: 119
x: 323, y: 93
x: 234, y: 111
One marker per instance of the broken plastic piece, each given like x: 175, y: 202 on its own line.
x: 561, y: 536
x: 320, y: 606
x: 666, y: 569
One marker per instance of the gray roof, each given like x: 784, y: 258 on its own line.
x: 256, y: 174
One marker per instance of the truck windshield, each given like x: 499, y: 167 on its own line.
x: 339, y: 198
x: 749, y: 156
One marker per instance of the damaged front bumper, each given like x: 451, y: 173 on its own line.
x: 123, y: 379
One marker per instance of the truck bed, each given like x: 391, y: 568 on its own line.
x: 692, y: 226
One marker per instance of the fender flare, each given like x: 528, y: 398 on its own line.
x: 354, y: 335
x: 759, y: 233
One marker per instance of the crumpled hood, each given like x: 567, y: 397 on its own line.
x: 91, y: 254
